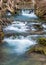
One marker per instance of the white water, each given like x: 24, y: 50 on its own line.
x: 20, y: 27
x: 9, y: 14
x: 20, y: 45
x: 44, y: 25
x: 26, y: 13
x: 16, y: 27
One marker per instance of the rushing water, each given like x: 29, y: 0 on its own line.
x: 20, y: 36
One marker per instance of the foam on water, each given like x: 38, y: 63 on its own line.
x: 20, y: 45
x: 26, y: 13
x: 44, y: 25
x: 17, y: 27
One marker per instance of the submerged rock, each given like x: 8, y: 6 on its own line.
x: 38, y: 26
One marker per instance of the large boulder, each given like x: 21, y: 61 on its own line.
x: 40, y: 8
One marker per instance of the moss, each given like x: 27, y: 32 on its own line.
x: 40, y: 47
x: 42, y: 41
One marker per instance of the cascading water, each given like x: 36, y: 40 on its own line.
x: 19, y: 45
x: 20, y: 39
x: 29, y: 13
x: 26, y: 15
x: 16, y: 27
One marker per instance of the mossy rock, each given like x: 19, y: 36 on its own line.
x: 42, y: 41
x: 37, y: 49
x: 40, y: 47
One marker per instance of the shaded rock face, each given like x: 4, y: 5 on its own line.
x: 40, y: 8
x: 12, y: 5
x: 1, y: 34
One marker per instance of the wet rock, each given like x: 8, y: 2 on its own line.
x: 39, y: 48
x: 38, y: 26
x: 42, y: 41
x: 40, y: 8
x: 1, y: 34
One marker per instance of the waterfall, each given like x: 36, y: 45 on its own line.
x: 29, y: 13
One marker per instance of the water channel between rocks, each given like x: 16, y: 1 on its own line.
x: 20, y: 36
